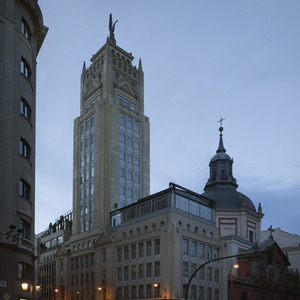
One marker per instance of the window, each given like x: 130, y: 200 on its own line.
x: 193, y: 268
x: 25, y: 68
x: 126, y: 273
x: 119, y: 293
x: 201, y: 274
x: 201, y: 251
x: 149, y: 269
x: 119, y: 274
x: 53, y: 242
x: 126, y: 253
x: 149, y: 246
x: 126, y: 292
x: 25, y: 226
x: 185, y: 247
x: 141, y: 271
x: 209, y: 294
x: 86, y: 261
x: 185, y: 269
x: 126, y: 102
x: 119, y: 254
x: 25, y: 109
x: 133, y: 251
x: 132, y: 106
x: 193, y: 291
x: 209, y: 251
x: 209, y: 274
x: 133, y: 292
x: 157, y: 291
x: 92, y: 278
x: 119, y: 98
x: 250, y: 236
x: 24, y: 189
x: 24, y: 149
x: 24, y: 271
x: 26, y: 30
x: 141, y: 250
x: 217, y: 295
x: 157, y: 246
x: 92, y: 260
x: 133, y: 272
x: 157, y: 269
x: 141, y: 291
x: 193, y: 249
x: 149, y: 291
x: 217, y: 253
x: 216, y: 275
x: 122, y: 120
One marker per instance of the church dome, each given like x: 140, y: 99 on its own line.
x: 221, y: 155
x: 228, y: 197
x: 221, y: 185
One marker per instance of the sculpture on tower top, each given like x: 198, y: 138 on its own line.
x: 112, y: 29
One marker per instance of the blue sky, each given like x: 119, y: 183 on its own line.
x: 201, y: 60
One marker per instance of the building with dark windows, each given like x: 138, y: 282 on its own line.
x: 22, y: 35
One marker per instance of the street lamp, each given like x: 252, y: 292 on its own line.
x: 38, y: 287
x: 235, y: 266
x: 24, y: 286
x: 99, y: 288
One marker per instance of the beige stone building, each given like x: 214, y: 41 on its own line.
x: 150, y: 250
x: 22, y: 35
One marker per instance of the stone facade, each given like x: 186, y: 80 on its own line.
x: 22, y: 35
x: 150, y: 251
x: 111, y: 139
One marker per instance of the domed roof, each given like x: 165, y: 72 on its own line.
x: 221, y: 185
x: 229, y: 197
x: 220, y: 155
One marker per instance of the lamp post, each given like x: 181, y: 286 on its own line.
x: 217, y: 259
x: 235, y: 266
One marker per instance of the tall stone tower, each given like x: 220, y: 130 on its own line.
x: 111, y: 138
x: 21, y: 36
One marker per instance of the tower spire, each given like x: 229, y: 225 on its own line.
x: 221, y: 166
x: 221, y: 145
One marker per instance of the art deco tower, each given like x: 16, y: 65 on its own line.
x: 111, y: 138
x: 21, y: 36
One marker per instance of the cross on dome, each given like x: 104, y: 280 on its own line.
x: 221, y: 120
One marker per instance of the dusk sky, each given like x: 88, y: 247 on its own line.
x: 201, y: 60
